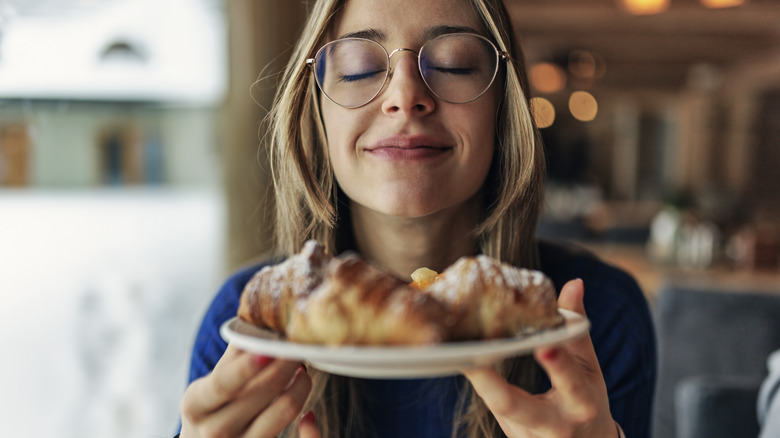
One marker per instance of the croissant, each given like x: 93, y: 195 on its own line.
x: 315, y: 298
x: 490, y: 299
x: 268, y: 297
x: 362, y: 305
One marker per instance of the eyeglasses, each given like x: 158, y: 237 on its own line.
x: 457, y: 68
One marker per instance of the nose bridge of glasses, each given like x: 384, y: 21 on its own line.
x: 399, y: 50
x: 391, y: 67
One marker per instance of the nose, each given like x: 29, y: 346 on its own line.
x: 406, y: 93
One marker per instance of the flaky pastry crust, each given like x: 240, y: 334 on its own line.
x: 315, y: 298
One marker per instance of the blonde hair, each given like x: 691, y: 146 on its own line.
x: 307, y: 201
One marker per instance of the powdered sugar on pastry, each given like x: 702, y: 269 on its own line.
x: 268, y: 297
x: 362, y: 305
x: 491, y: 299
x: 314, y: 298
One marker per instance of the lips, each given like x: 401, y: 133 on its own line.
x: 408, y: 147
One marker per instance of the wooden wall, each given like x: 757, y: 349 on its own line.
x: 261, y: 36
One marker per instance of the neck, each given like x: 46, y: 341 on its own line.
x: 402, y: 245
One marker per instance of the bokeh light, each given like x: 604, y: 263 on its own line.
x: 645, y: 7
x: 543, y: 112
x: 547, y: 77
x: 722, y: 3
x: 586, y: 64
x: 583, y: 106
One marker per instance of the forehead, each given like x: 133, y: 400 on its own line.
x: 408, y: 20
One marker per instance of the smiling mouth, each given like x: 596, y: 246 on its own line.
x: 416, y: 153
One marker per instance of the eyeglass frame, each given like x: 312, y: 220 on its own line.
x: 501, y: 55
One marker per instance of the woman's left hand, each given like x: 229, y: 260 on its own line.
x: 575, y: 406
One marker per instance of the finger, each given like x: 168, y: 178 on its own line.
x: 579, y: 388
x: 571, y: 297
x: 275, y: 378
x: 573, y: 368
x: 307, y: 427
x: 285, y: 409
x: 577, y: 384
x: 234, y: 417
x: 229, y: 376
x: 504, y: 399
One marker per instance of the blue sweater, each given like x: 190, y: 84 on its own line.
x: 621, y: 330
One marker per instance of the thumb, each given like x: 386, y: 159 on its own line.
x: 307, y: 427
x: 571, y: 296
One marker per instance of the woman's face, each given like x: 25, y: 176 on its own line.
x: 408, y: 153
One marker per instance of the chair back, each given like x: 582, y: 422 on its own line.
x: 717, y: 333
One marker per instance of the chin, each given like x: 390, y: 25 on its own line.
x: 410, y: 202
x: 410, y: 208
x: 406, y: 211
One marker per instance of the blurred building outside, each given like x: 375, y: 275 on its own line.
x: 112, y: 215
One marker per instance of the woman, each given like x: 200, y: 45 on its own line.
x: 436, y: 160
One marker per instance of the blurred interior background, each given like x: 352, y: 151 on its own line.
x: 131, y: 183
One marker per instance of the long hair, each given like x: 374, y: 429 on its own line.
x: 308, y: 204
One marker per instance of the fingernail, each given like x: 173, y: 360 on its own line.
x: 550, y: 354
x: 263, y: 360
x: 309, y: 418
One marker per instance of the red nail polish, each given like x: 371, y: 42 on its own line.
x: 263, y: 360
x: 309, y: 418
x: 550, y: 354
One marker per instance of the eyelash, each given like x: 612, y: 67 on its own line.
x: 355, y: 78
x: 455, y: 71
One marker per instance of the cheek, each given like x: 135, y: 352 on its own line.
x: 478, y: 165
x: 337, y: 133
x: 328, y: 119
x: 480, y: 134
x: 342, y: 130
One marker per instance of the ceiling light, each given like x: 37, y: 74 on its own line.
x: 722, y: 3
x: 644, y: 7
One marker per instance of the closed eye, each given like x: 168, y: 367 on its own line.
x: 360, y: 76
x: 455, y: 70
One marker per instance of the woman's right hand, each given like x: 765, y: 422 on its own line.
x: 245, y: 396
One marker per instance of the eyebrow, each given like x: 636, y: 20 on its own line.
x: 430, y: 33
x: 369, y: 34
x: 435, y: 31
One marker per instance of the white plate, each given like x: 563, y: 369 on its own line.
x: 400, y: 362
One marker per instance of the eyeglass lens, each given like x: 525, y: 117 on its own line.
x: 457, y: 68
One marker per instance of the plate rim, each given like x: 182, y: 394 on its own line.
x: 353, y: 356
